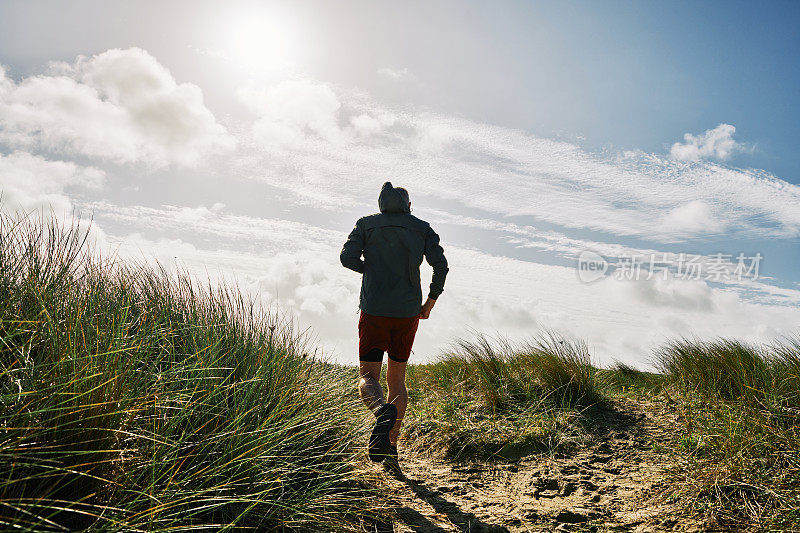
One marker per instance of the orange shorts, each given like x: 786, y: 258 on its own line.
x: 378, y: 334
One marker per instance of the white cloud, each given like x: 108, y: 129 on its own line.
x: 526, y: 236
x: 366, y: 125
x: 275, y: 236
x: 680, y: 294
x: 396, y: 74
x: 29, y: 182
x: 32, y: 185
x: 336, y: 149
x: 717, y: 143
x: 297, y: 118
x: 121, y: 106
x: 290, y: 110
x: 693, y: 217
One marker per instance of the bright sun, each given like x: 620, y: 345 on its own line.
x: 261, y: 43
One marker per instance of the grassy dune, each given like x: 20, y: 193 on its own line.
x: 136, y: 401
x: 133, y: 400
x: 736, y: 452
x: 740, y: 410
x: 487, y: 399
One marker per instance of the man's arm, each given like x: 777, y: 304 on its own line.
x: 352, y: 250
x: 434, y: 255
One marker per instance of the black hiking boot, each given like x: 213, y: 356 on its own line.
x: 392, y: 465
x: 379, y: 440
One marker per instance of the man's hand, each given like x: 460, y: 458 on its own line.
x: 426, y: 308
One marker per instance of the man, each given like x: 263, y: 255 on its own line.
x: 393, y: 243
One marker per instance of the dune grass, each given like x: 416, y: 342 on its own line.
x: 740, y: 410
x: 136, y: 400
x: 133, y: 400
x: 488, y: 398
x: 621, y: 379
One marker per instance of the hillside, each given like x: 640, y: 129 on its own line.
x: 133, y: 400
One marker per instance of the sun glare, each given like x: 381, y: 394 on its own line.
x: 261, y: 43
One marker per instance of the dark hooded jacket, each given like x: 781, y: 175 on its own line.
x: 393, y: 243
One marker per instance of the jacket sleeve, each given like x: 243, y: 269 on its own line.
x: 352, y: 250
x: 434, y: 255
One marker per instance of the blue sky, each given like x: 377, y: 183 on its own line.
x: 626, y: 75
x: 242, y: 140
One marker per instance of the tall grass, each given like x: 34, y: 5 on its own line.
x: 728, y: 369
x: 487, y: 397
x: 740, y: 408
x: 621, y: 378
x: 133, y: 400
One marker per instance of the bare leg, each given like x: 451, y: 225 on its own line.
x: 398, y: 395
x: 369, y: 386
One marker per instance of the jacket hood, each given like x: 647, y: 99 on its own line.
x: 393, y: 200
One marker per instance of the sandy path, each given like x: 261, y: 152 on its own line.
x: 612, y: 484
